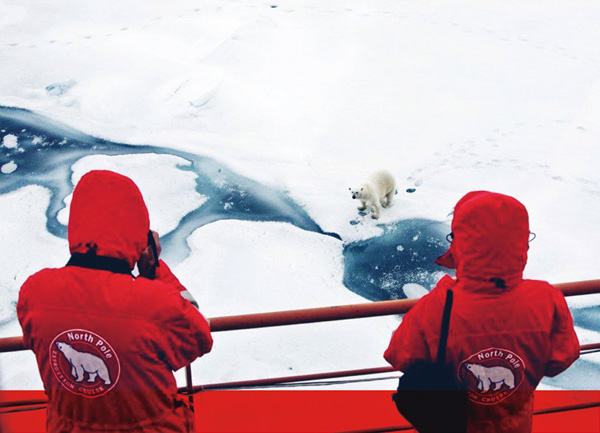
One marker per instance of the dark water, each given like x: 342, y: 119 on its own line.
x: 379, y: 267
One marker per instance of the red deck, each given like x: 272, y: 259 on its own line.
x: 320, y: 411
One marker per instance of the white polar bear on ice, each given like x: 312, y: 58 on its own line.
x: 377, y: 191
x: 82, y: 363
x: 486, y: 376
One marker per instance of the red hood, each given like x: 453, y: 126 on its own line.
x: 108, y: 213
x: 491, y: 234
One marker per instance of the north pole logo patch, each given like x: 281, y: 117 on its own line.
x: 84, y: 363
x: 491, y: 375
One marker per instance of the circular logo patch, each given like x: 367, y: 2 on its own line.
x: 84, y: 363
x: 491, y: 375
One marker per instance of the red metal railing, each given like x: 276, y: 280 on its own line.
x: 316, y: 376
x: 323, y: 314
x: 356, y: 311
x: 311, y: 315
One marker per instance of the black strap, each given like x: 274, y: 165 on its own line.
x: 102, y: 263
x: 154, y: 250
x: 441, y: 355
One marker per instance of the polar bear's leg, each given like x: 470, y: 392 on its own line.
x: 486, y: 384
x: 497, y: 385
x: 479, y: 384
x: 80, y: 372
x: 510, y: 381
x: 103, y: 373
x: 389, y: 199
x: 92, y: 376
x: 73, y: 371
x: 363, y: 205
x: 376, y: 210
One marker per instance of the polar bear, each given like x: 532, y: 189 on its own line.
x: 82, y: 362
x: 486, y: 376
x: 377, y: 191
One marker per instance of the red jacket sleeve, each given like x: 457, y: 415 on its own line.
x: 563, y: 340
x: 164, y: 274
x: 409, y: 343
x: 183, y: 332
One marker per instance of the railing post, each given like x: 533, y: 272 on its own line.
x: 189, y: 387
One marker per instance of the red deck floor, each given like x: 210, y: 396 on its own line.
x: 319, y: 411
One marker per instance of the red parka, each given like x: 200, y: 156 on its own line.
x: 506, y: 333
x: 107, y: 343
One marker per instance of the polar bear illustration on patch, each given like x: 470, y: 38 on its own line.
x: 377, y: 191
x: 82, y: 362
x: 488, y: 376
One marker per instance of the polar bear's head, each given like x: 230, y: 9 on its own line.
x: 62, y: 346
x: 357, y: 193
x: 476, y: 369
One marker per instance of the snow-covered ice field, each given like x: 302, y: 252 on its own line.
x: 245, y: 122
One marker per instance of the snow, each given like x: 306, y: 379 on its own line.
x: 9, y: 167
x: 27, y: 246
x: 414, y: 290
x: 10, y: 141
x: 241, y: 267
x: 311, y: 97
x: 222, y: 251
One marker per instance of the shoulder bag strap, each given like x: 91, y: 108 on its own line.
x: 441, y: 354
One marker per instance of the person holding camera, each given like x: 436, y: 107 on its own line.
x: 107, y: 343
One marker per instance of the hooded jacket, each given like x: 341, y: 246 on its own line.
x: 107, y: 343
x: 505, y: 333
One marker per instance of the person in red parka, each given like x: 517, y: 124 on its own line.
x: 107, y: 343
x: 506, y: 332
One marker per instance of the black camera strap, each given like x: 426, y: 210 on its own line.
x: 152, y: 245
